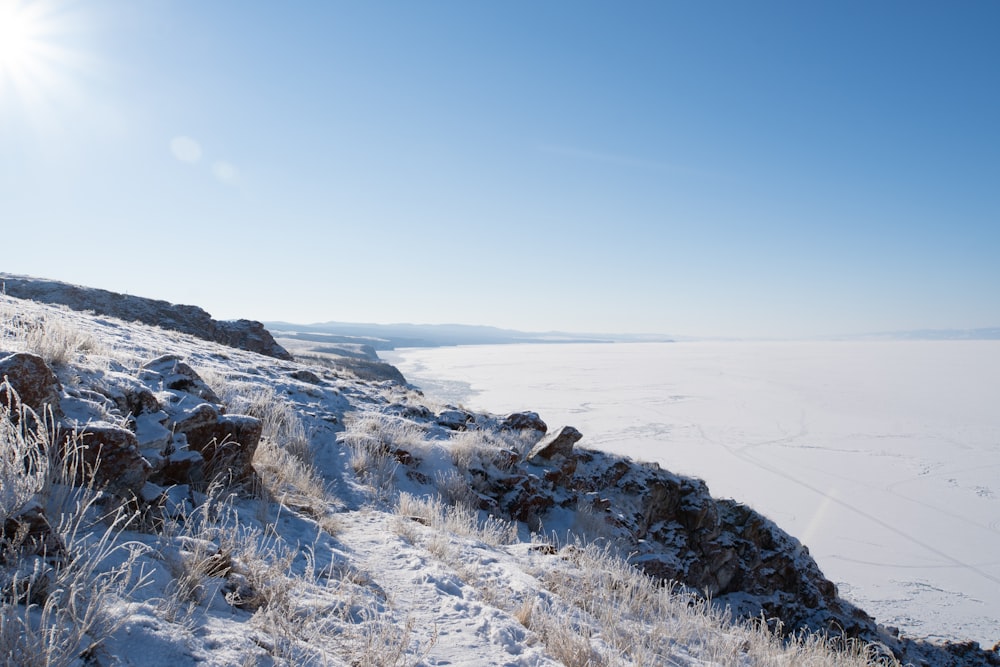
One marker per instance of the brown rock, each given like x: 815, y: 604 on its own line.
x: 227, y: 443
x: 306, y: 376
x: 30, y: 533
x: 112, y: 459
x: 521, y: 421
x: 32, y: 380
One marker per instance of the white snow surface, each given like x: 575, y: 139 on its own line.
x: 882, y: 457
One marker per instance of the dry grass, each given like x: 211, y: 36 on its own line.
x: 456, y: 519
x: 486, y: 450
x: 639, y: 621
x: 374, y: 442
x: 50, y: 333
x: 57, y: 588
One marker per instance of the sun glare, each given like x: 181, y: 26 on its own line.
x: 20, y: 38
x: 39, y: 66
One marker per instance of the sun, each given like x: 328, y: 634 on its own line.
x: 21, y: 43
x: 39, y: 63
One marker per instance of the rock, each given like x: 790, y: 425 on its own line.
x: 559, y: 443
x: 411, y: 412
x: 30, y: 533
x: 139, y: 401
x: 248, y: 335
x: 226, y: 442
x: 32, y: 380
x: 522, y: 421
x: 172, y: 373
x: 523, y: 497
x: 112, y: 459
x: 306, y: 376
x: 184, y: 468
x: 455, y: 419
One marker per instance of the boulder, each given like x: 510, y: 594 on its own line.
x: 112, y: 459
x: 522, y: 421
x: 172, y: 373
x: 455, y: 419
x: 32, y: 380
x: 226, y: 442
x: 558, y: 443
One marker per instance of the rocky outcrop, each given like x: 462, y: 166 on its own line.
x: 186, y: 433
x: 243, y: 334
x: 174, y: 429
x: 674, y: 530
x: 226, y: 443
x: 29, y: 533
x: 556, y: 452
x: 556, y: 445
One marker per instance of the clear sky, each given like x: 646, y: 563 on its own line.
x: 691, y: 168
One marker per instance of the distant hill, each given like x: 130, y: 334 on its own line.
x: 988, y: 333
x: 391, y: 336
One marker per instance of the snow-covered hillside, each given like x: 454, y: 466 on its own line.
x: 232, y: 508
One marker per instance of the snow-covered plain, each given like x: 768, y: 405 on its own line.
x: 882, y: 457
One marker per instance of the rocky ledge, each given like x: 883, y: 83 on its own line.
x: 244, y: 334
x: 675, y: 531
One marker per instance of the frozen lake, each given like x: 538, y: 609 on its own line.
x: 882, y: 457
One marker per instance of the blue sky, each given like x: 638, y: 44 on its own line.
x: 694, y: 168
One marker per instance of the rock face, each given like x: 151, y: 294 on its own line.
x: 243, y: 334
x: 226, y: 442
x: 170, y: 372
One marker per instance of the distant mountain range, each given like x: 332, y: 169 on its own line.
x: 988, y: 333
x: 391, y: 336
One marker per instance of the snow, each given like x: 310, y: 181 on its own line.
x: 882, y: 457
x: 353, y: 582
